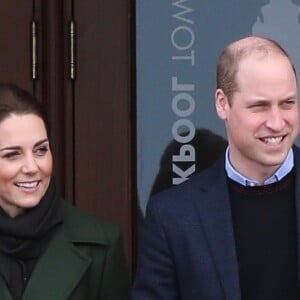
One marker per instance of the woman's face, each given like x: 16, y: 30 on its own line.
x: 25, y: 162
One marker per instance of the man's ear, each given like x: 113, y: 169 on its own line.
x: 221, y: 103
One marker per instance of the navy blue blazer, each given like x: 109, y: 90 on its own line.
x: 187, y: 248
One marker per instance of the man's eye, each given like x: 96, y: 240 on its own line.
x: 259, y: 106
x: 289, y: 102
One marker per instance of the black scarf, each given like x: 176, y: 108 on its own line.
x: 24, y: 238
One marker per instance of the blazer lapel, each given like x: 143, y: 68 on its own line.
x: 215, y: 214
x: 57, y: 272
x: 297, y: 186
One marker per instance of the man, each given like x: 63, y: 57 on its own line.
x: 231, y: 231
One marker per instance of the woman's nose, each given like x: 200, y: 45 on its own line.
x: 29, y: 165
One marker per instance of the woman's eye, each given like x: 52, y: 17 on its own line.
x: 41, y: 150
x: 11, y: 155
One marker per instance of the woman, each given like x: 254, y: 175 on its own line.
x: 48, y: 249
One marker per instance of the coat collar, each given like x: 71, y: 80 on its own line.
x: 55, y: 276
x: 62, y: 266
x: 58, y: 271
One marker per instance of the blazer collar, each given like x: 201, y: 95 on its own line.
x: 215, y: 214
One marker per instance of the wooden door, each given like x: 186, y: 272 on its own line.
x: 101, y: 95
x: 90, y: 111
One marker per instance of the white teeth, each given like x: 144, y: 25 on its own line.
x: 273, y: 140
x: 27, y: 185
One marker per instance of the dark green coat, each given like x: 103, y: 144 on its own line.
x: 84, y: 261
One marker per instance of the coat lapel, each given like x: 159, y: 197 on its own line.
x: 57, y: 272
x: 215, y: 214
x: 4, y: 292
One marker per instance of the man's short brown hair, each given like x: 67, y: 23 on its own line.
x: 229, y: 59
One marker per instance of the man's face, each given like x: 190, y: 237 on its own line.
x: 262, y: 121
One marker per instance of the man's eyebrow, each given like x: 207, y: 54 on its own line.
x: 266, y: 101
x: 290, y: 98
x: 257, y: 101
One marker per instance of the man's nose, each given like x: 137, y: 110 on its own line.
x: 275, y: 120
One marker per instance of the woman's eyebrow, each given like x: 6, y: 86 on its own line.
x: 19, y: 147
x: 41, y: 142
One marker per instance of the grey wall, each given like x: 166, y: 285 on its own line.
x: 178, y: 43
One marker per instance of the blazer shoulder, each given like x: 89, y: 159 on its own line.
x: 182, y: 197
x: 83, y: 227
x: 199, y: 182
